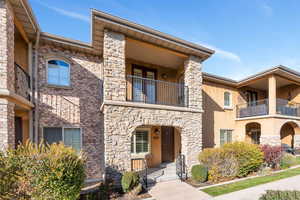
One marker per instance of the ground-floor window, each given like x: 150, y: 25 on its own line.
x: 69, y: 136
x: 255, y: 136
x: 225, y: 136
x: 140, y: 141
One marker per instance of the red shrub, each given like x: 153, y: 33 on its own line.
x: 272, y: 155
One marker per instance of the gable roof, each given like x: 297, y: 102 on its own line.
x: 279, y: 70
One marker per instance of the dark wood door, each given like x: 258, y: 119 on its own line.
x: 167, y: 144
x: 18, y: 131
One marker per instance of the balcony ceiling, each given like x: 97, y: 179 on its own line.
x: 262, y: 84
x: 152, y: 54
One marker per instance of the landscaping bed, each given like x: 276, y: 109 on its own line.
x: 239, y: 185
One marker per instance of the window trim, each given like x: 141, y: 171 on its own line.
x: 230, y: 101
x: 63, y: 130
x: 69, y: 71
x: 134, y: 154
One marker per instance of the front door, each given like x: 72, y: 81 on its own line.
x: 167, y: 144
x: 18, y: 131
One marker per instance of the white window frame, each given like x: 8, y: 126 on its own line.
x: 69, y: 72
x: 224, y: 129
x: 230, y: 100
x: 134, y: 154
x: 63, y: 134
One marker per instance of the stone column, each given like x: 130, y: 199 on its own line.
x: 7, y: 75
x: 7, y: 124
x: 114, y: 85
x: 273, y: 140
x: 191, y: 141
x: 193, y: 80
x: 272, y: 95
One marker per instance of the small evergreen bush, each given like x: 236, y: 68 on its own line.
x: 287, y: 161
x: 199, y: 173
x: 129, y: 181
x: 280, y: 195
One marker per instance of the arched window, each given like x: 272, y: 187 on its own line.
x: 227, y: 100
x: 58, y: 73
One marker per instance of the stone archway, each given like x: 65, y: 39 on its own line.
x: 253, y: 132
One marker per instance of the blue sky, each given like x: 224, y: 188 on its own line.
x: 248, y: 36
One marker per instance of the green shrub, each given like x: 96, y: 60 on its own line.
x: 129, y: 181
x: 199, y: 173
x: 280, y: 195
x: 249, y: 156
x: 44, y: 172
x: 287, y: 160
x: 221, y: 164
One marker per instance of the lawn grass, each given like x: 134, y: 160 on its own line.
x: 232, y: 187
x: 298, y: 160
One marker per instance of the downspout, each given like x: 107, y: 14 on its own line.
x: 31, y: 91
x: 36, y: 112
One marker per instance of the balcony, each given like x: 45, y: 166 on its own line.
x: 251, y: 109
x: 150, y: 91
x: 285, y: 107
x: 22, y: 82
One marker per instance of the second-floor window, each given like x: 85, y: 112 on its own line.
x: 227, y: 100
x: 58, y: 73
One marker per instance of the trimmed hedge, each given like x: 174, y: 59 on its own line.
x: 249, y: 156
x: 237, y: 159
x: 199, y: 173
x: 280, y: 195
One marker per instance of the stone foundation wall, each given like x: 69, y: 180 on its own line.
x: 74, y: 106
x: 121, y: 121
x: 7, y: 124
x: 270, y: 139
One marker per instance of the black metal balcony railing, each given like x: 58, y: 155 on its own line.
x: 254, y: 108
x: 286, y: 107
x: 22, y: 82
x: 152, y: 91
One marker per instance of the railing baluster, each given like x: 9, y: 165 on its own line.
x: 156, y: 91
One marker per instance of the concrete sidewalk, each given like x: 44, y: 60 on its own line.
x: 177, y: 190
x: 253, y: 193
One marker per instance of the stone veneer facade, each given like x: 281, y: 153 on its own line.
x: 120, y: 121
x: 74, y: 106
x: 7, y: 75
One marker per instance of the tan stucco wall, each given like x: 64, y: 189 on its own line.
x: 215, y: 117
x: 21, y: 52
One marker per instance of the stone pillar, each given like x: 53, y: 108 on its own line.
x: 272, y: 95
x: 296, y: 141
x: 114, y: 76
x: 7, y: 124
x: 191, y: 141
x: 193, y: 80
x: 7, y: 75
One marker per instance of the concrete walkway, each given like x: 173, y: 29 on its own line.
x: 176, y: 190
x: 253, y: 193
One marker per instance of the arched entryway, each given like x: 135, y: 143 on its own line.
x: 287, y: 134
x: 253, y: 132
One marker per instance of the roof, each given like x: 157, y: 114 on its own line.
x: 279, y: 70
x: 102, y: 20
x: 25, y: 15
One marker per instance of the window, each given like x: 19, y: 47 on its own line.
x: 225, y: 136
x: 58, y: 73
x: 227, y: 100
x: 140, y: 141
x: 70, y: 136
